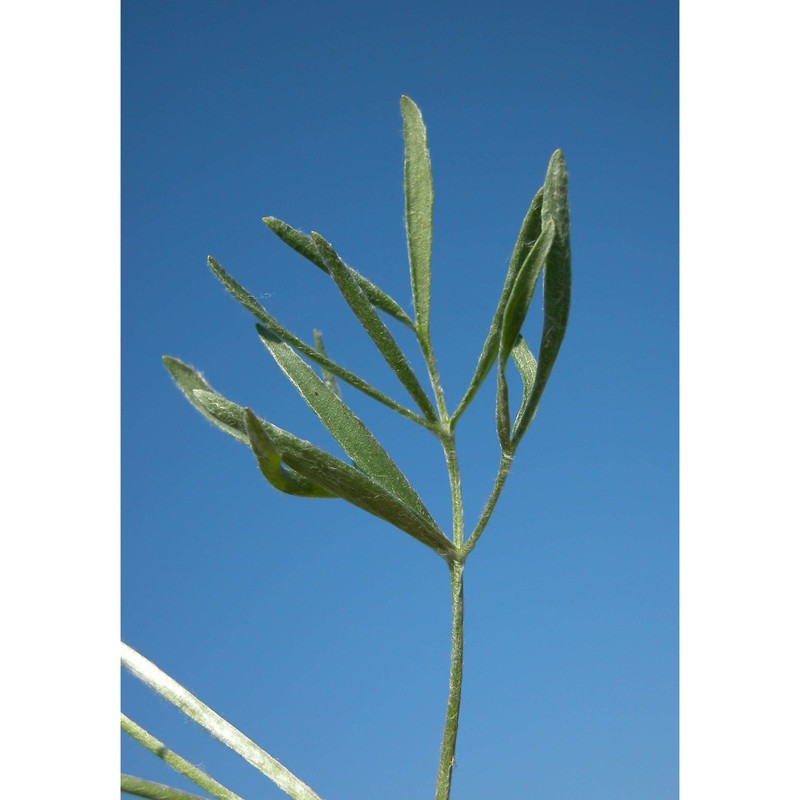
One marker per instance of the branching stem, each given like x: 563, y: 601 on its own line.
x: 502, y: 473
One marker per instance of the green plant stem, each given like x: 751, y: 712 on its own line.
x: 447, y: 759
x: 506, y: 460
x: 130, y: 784
x: 218, y: 727
x: 181, y: 765
x: 433, y: 373
x: 454, y: 474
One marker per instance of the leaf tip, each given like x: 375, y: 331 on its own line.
x: 250, y: 419
x: 173, y: 364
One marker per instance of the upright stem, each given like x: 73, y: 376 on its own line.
x: 453, y: 472
x: 447, y: 759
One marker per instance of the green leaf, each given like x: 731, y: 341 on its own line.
x: 325, y: 470
x: 519, y: 300
x: 374, y: 326
x: 501, y: 411
x: 527, y: 366
x: 557, y: 284
x: 419, y: 211
x: 327, y: 375
x: 516, y: 310
x: 188, y: 380
x: 302, y: 243
x: 257, y: 310
x: 528, y: 234
x: 286, y: 480
x: 270, y: 463
x: 351, y: 433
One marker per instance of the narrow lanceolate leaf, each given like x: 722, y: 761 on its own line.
x: 302, y: 243
x: 351, y: 433
x: 419, y: 211
x: 501, y: 412
x: 271, y: 464
x: 212, y: 722
x: 519, y: 300
x: 374, y: 326
x: 282, y: 478
x: 188, y: 380
x: 327, y: 375
x: 528, y: 234
x: 526, y: 364
x: 557, y: 284
x: 259, y: 312
x: 516, y: 310
x: 325, y: 470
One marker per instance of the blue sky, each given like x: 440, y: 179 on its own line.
x: 317, y: 629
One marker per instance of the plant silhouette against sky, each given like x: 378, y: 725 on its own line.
x: 371, y: 480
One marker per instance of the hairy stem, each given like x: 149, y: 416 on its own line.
x: 447, y: 759
x: 502, y: 473
x: 454, y: 474
x: 180, y: 765
x: 433, y: 373
x: 218, y: 727
x: 140, y: 787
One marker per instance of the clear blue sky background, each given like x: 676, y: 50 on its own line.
x: 320, y: 631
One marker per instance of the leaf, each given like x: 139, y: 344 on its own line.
x: 257, y: 310
x: 345, y: 481
x: 327, y: 375
x: 286, y: 480
x: 527, y: 366
x: 302, y: 243
x: 319, y: 467
x: 501, y: 411
x: 528, y: 234
x: 520, y: 298
x: 270, y: 463
x: 418, y: 184
x: 514, y: 315
x: 373, y: 325
x: 557, y: 284
x: 351, y: 433
x: 188, y: 380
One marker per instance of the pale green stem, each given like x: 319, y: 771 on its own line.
x: 171, y: 690
x: 433, y: 373
x: 181, y: 765
x: 449, y: 445
x: 447, y: 759
x: 502, y: 473
x: 130, y: 784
